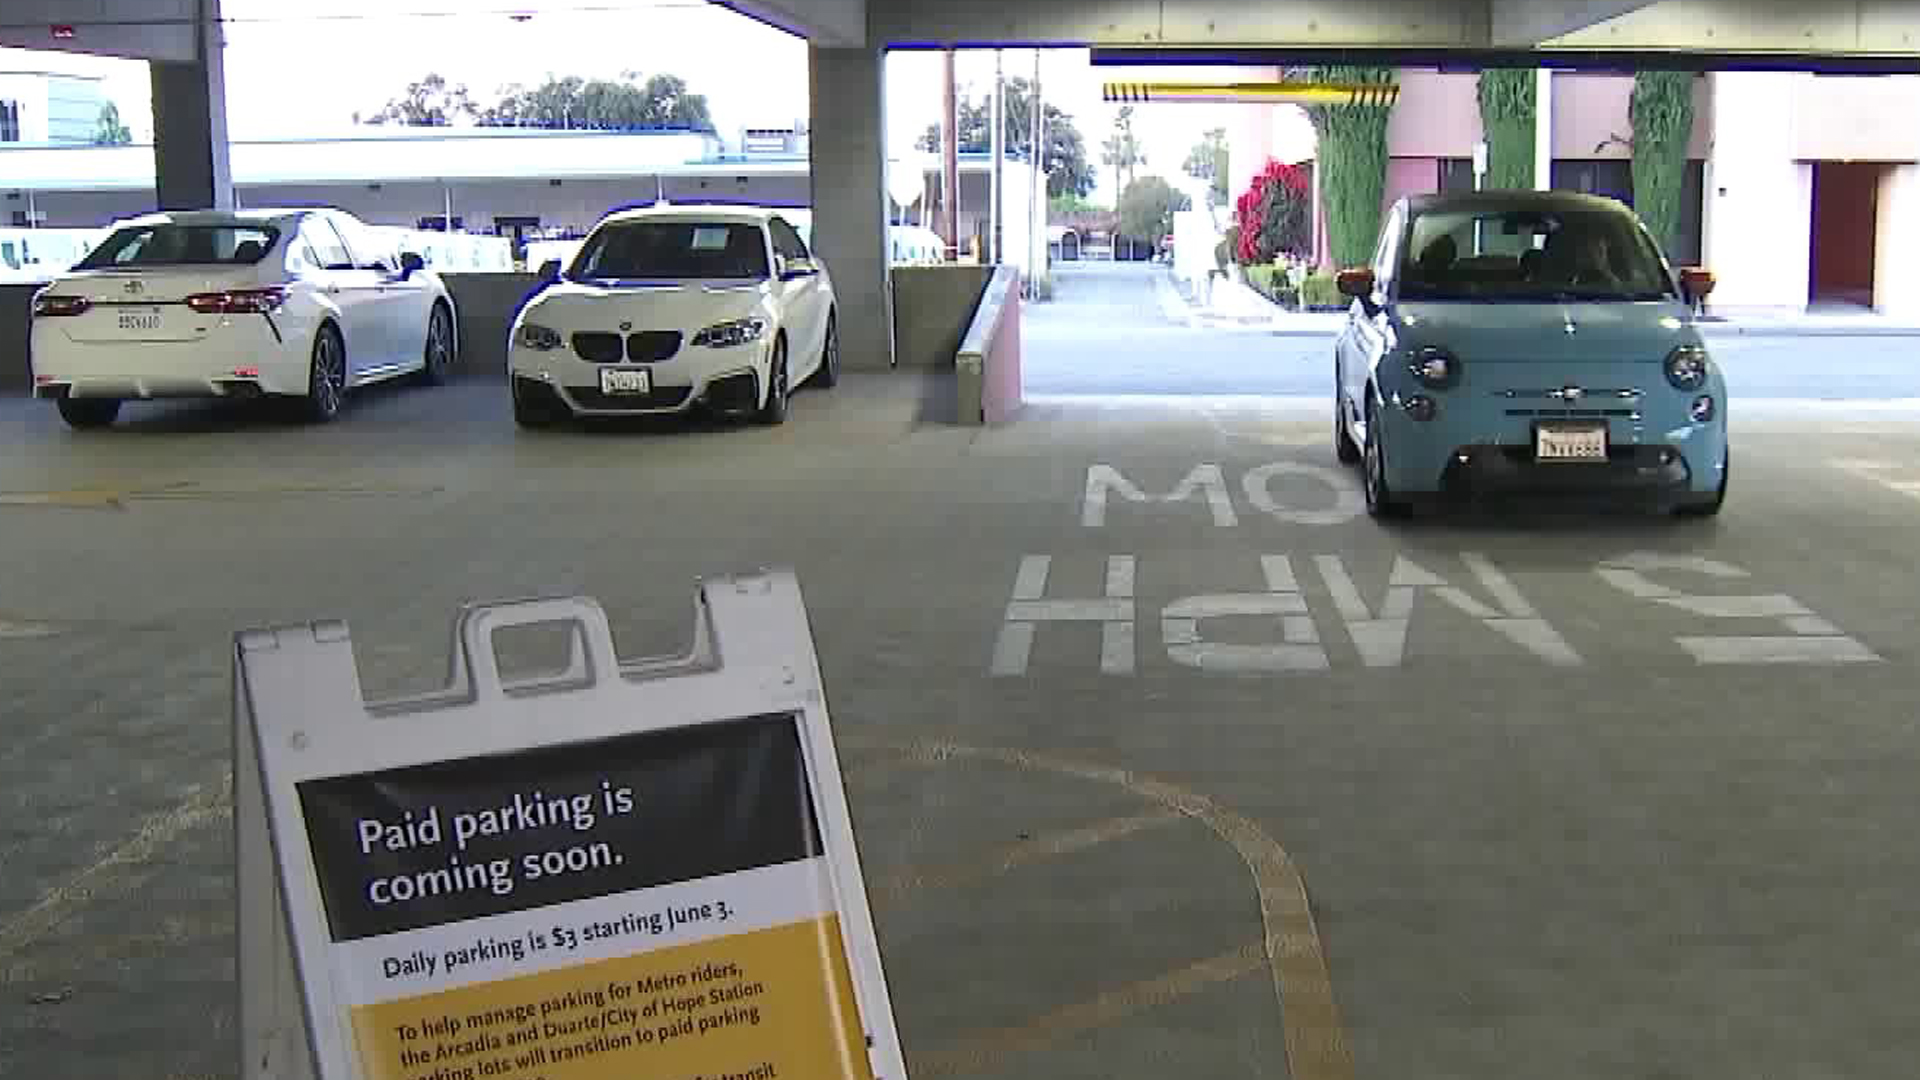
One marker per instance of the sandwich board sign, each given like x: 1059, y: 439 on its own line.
x: 613, y: 870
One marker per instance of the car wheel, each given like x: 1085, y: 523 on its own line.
x: 1344, y: 447
x: 1381, y: 502
x: 327, y: 378
x: 83, y: 413
x: 774, y: 410
x: 828, y: 374
x: 438, y: 361
x: 1709, y: 507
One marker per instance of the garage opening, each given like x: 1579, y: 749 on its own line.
x: 1846, y: 210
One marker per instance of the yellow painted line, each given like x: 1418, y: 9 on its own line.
x: 982, y: 1053
x: 1316, y: 1042
x: 78, y: 499
x: 15, y: 630
x: 1296, y: 93
x: 123, y: 870
x: 1039, y: 848
x: 117, y: 499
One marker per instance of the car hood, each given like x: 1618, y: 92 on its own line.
x: 675, y: 305
x: 1501, y: 332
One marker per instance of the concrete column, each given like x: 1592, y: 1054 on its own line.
x: 849, y: 159
x: 1543, y: 130
x: 190, y: 161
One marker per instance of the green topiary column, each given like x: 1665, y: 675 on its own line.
x: 1661, y: 112
x: 1507, y: 111
x: 1353, y: 164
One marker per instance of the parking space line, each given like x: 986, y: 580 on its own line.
x: 982, y: 1052
x: 1044, y: 846
x: 1316, y: 1043
x: 122, y: 870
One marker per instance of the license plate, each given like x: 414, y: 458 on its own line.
x: 140, y: 320
x: 626, y: 382
x: 1570, y: 442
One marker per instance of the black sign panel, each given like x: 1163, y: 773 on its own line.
x: 415, y: 847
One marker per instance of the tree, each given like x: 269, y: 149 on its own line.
x: 1661, y: 112
x: 1208, y: 161
x: 1271, y: 217
x: 1353, y: 164
x: 1147, y: 208
x: 1122, y: 150
x: 570, y: 102
x: 110, y: 131
x: 431, y: 102
x: 1507, y: 118
x: 1068, y: 170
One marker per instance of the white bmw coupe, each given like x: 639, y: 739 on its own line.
x: 667, y: 308
x: 306, y: 304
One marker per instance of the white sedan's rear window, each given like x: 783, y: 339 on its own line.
x: 182, y: 245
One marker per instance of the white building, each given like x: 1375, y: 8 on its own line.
x: 48, y: 108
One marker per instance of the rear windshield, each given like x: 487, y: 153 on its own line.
x: 1531, y: 255
x: 672, y: 249
x: 182, y: 245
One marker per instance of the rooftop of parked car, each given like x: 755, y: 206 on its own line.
x: 1513, y: 200
x: 740, y: 212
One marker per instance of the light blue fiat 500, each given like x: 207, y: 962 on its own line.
x: 1526, y: 344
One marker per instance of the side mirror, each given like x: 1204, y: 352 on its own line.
x: 794, y: 268
x: 1356, y: 283
x: 411, y: 263
x: 1697, y: 283
x: 550, y: 270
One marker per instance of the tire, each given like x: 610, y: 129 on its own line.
x: 1381, y: 503
x: 438, y: 361
x: 327, y: 376
x: 827, y: 376
x: 85, y: 413
x: 1709, y: 507
x: 774, y: 410
x: 1344, y: 447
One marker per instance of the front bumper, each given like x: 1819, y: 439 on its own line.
x: 727, y: 379
x: 1644, y: 472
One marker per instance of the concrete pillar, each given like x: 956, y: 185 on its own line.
x: 849, y: 158
x: 191, y: 168
x: 1543, y: 130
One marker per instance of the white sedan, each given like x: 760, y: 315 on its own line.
x: 306, y: 304
x: 670, y: 307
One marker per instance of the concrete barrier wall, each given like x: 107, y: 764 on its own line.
x: 987, y: 365
x: 932, y: 308
x: 16, y: 304
x: 487, y: 304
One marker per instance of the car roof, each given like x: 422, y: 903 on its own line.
x: 1514, y: 200
x: 730, y: 213
x: 215, y: 217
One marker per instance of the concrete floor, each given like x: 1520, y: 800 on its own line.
x: 1598, y: 860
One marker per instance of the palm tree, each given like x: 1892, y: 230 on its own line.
x: 1122, y: 151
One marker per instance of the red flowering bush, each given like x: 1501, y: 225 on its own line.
x: 1273, y: 214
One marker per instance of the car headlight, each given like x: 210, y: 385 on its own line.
x: 535, y: 336
x: 1687, y: 367
x: 728, y: 334
x: 1437, y: 369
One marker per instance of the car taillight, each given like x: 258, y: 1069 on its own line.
x: 238, y: 301
x: 54, y: 306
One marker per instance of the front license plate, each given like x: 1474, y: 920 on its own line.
x: 143, y: 320
x: 1570, y: 442
x: 626, y: 382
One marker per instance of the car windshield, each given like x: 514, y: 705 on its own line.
x: 672, y: 249
x: 1524, y: 255
x: 182, y: 245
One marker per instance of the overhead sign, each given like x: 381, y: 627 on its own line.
x: 1273, y: 93
x: 590, y: 876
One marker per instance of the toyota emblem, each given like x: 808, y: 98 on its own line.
x: 133, y: 287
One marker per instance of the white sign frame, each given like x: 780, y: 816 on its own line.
x: 299, y: 714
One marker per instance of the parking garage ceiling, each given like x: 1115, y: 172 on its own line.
x: 1886, y: 30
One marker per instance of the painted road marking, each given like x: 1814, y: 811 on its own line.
x: 1315, y: 1036
x: 1013, y: 650
x: 1026, y: 852
x: 1208, y: 482
x: 123, y: 870
x: 1299, y: 646
x: 1811, y: 639
x: 11, y: 629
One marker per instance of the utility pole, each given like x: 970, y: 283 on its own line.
x: 950, y: 167
x: 995, y: 209
x: 1036, y: 185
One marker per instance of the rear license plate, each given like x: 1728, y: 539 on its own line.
x: 1570, y: 442
x: 626, y: 382
x: 142, y: 319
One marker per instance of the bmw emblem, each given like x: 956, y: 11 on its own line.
x: 625, y: 326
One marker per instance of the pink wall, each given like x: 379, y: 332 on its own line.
x: 1436, y: 116
x: 1000, y: 392
x: 1590, y: 109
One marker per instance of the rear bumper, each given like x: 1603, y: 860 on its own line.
x: 231, y: 364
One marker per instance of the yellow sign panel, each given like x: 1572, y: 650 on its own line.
x: 756, y: 1006
x: 1277, y: 93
